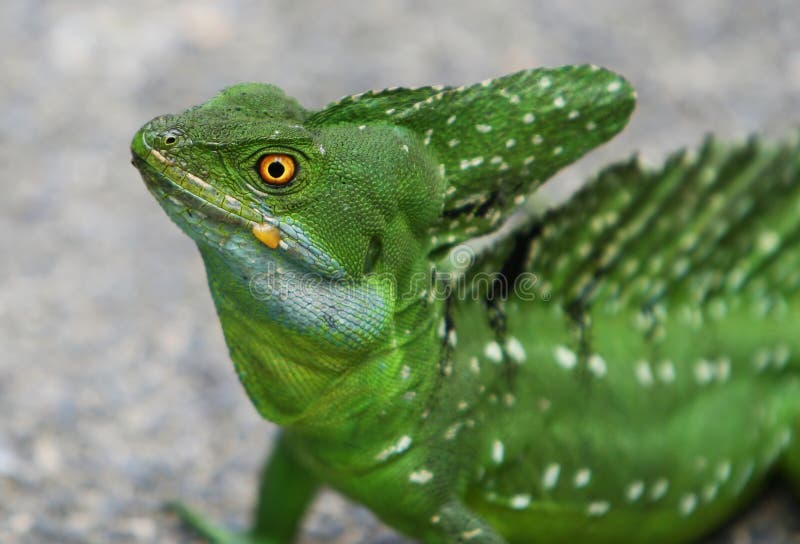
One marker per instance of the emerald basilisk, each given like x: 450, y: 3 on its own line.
x: 623, y: 368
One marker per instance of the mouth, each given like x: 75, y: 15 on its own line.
x: 192, y: 192
x: 165, y: 172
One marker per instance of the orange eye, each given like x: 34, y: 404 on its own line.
x: 276, y: 169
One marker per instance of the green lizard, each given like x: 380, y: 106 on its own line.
x: 625, y: 368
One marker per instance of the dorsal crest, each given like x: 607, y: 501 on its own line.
x: 498, y: 140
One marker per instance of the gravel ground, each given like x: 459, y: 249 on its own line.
x: 115, y: 387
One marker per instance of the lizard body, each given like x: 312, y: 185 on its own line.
x: 624, y: 368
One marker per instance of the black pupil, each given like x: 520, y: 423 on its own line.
x: 276, y: 169
x: 170, y: 139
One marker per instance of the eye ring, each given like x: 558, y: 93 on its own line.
x: 170, y: 138
x: 277, y: 169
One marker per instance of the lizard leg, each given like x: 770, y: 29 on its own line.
x: 455, y: 523
x: 285, y: 490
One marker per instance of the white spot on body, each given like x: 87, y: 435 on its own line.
x: 483, y: 128
x: 452, y: 338
x: 469, y: 163
x: 565, y: 357
x: 498, y: 452
x: 402, y: 444
x: 451, y: 119
x: 493, y: 352
x: 452, y: 431
x: 614, y: 86
x: 574, y: 114
x: 644, y: 375
x: 520, y: 502
x: 550, y: 475
x: 559, y: 102
x: 597, y: 365
x: 469, y: 535
x: 710, y: 492
x: 405, y: 372
x: 634, y: 491
x: 474, y: 365
x: 515, y: 350
x: 688, y: 504
x: 454, y: 142
x: 421, y: 476
x: 703, y: 372
x: 723, y: 471
x: 598, y: 508
x: 511, y: 142
x: 659, y: 489
x: 558, y: 150
x: 528, y: 118
x: 582, y: 478
x: 666, y: 371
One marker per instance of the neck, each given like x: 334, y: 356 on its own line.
x: 309, y: 354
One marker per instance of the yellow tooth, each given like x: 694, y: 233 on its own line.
x: 267, y: 234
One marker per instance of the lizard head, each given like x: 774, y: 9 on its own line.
x: 243, y: 174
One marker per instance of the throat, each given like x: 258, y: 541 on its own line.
x: 292, y: 334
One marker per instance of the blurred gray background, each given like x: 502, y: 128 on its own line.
x: 116, y: 392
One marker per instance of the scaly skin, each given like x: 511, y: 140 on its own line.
x: 624, y: 369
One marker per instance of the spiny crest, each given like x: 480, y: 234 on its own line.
x: 497, y: 140
x: 374, y: 105
x: 706, y: 224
